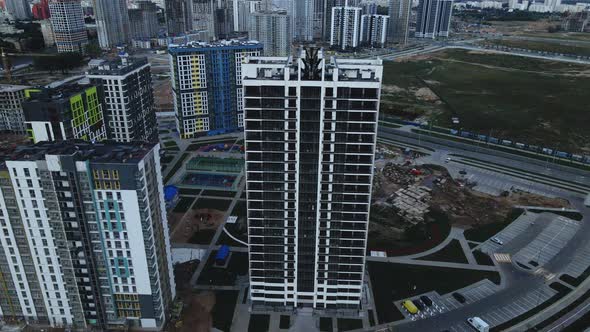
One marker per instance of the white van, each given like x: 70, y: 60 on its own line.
x: 479, y: 324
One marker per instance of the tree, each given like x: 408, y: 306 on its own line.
x: 93, y: 50
x: 63, y: 62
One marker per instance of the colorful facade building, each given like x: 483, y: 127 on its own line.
x: 207, y: 86
x: 65, y: 113
x: 84, y: 239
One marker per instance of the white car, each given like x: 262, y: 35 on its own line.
x: 498, y: 241
x: 447, y: 160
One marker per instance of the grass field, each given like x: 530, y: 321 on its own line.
x: 522, y: 99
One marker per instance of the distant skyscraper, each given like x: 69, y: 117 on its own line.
x: 11, y: 108
x: 126, y: 88
x: 47, y: 32
x: 303, y: 13
x: 144, y: 20
x: 179, y: 16
x: 112, y: 23
x: 207, y: 86
x: 243, y: 10
x: 203, y: 16
x: 374, y: 30
x: 310, y: 133
x: 84, y: 242
x: 19, y: 9
x: 224, y: 19
x: 69, y: 29
x: 346, y: 25
x: 64, y: 113
x: 399, y: 21
x: 434, y: 18
x: 41, y: 10
x: 273, y: 30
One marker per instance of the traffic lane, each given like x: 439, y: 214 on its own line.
x: 495, y: 156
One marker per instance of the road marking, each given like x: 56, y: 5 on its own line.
x: 569, y: 318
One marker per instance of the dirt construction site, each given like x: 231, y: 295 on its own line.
x: 407, y: 196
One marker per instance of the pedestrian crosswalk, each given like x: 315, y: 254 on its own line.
x: 548, y: 275
x: 503, y: 258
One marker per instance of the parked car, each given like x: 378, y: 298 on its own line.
x: 459, y: 297
x: 497, y: 240
x: 426, y: 300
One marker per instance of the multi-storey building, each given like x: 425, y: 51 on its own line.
x: 434, y: 18
x: 179, y: 16
x: 207, y: 86
x: 399, y: 21
x: 346, y: 25
x: 11, y: 108
x: 310, y: 134
x: 125, y: 86
x: 64, y: 113
x: 41, y: 10
x: 143, y: 20
x: 243, y: 10
x: 112, y: 23
x: 374, y: 30
x: 47, y: 32
x: 84, y: 240
x: 18, y: 9
x: 203, y: 17
x: 273, y: 30
x: 69, y: 29
x: 303, y: 13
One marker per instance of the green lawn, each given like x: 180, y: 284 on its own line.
x: 522, y: 99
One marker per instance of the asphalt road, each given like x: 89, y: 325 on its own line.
x: 517, y: 281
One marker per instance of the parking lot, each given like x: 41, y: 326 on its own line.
x: 447, y: 302
x: 548, y: 243
x: 520, y: 305
x: 516, y: 228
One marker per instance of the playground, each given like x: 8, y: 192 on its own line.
x: 209, y: 180
x: 223, y: 165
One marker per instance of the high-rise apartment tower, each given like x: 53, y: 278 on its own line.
x: 434, y: 18
x: 310, y: 133
x: 125, y: 86
x: 69, y: 29
x: 84, y: 241
x: 112, y: 23
x: 399, y: 21
x: 207, y: 86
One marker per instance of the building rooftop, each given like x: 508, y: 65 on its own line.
x: 11, y: 87
x: 103, y: 152
x: 57, y: 93
x: 194, y: 45
x: 115, y: 67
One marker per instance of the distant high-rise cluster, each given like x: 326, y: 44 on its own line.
x: 19, y: 9
x: 273, y: 30
x: 69, y: 30
x: 434, y: 18
x: 143, y: 20
x: 399, y: 21
x: 346, y: 26
x: 112, y: 23
x: 374, y: 30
